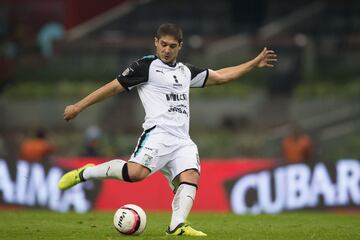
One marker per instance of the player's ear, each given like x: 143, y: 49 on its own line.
x: 156, y: 41
x: 180, y: 45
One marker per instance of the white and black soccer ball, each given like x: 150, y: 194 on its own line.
x: 130, y: 219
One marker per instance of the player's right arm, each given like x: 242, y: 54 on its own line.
x: 136, y: 74
x: 109, y: 89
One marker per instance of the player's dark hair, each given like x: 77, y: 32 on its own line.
x: 170, y: 29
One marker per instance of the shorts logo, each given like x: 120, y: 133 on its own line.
x: 198, y: 160
x: 147, y: 160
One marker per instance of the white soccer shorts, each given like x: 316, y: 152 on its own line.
x: 166, y: 152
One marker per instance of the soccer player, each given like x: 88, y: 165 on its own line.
x: 163, y: 85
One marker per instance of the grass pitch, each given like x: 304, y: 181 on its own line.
x: 32, y: 224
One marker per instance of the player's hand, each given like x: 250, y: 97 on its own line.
x: 266, y: 58
x: 70, y: 112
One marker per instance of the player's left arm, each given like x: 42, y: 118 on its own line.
x: 266, y: 58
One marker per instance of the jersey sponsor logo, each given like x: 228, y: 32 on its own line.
x: 181, y: 108
x: 159, y: 71
x: 176, y: 97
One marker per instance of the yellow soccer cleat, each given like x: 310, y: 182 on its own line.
x: 72, y: 178
x: 184, y: 229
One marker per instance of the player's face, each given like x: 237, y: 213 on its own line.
x: 167, y: 48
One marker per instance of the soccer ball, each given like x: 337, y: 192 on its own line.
x: 130, y: 219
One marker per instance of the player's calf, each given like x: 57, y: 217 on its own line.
x: 114, y: 169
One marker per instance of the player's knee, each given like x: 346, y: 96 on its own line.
x: 137, y: 172
x: 136, y: 177
x: 190, y: 175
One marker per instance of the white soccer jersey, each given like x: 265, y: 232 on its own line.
x: 164, y: 92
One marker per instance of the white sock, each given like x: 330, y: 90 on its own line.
x: 182, y: 203
x: 110, y: 169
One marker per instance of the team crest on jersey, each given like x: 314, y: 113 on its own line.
x: 182, y: 70
x: 176, y: 84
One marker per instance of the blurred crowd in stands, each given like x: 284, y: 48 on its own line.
x: 50, y: 34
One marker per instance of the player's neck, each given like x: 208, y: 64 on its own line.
x: 170, y: 64
x: 173, y: 64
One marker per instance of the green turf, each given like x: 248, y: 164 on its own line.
x: 25, y: 224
